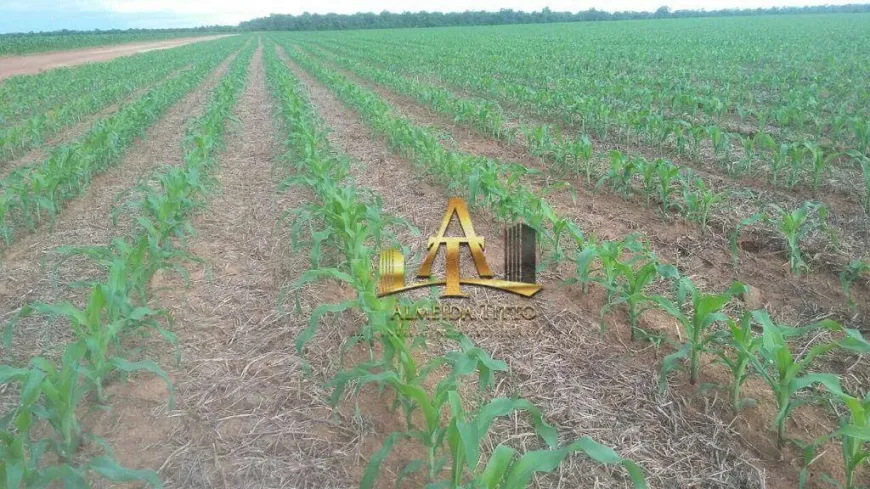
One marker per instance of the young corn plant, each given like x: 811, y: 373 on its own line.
x: 863, y: 164
x: 98, y: 327
x: 607, y: 254
x: 854, y: 271
x: 854, y: 435
x: 796, y: 154
x: 697, y: 313
x: 648, y: 171
x: 398, y: 370
x: 52, y: 393
x: 779, y: 157
x: 698, y: 200
x: 667, y: 172
x: 621, y: 171
x: 785, y: 371
x: 455, y: 443
x: 793, y: 225
x: 744, y: 345
x: 820, y: 161
x: 720, y: 141
x: 634, y: 277
x: 505, y: 468
x: 861, y: 130
x: 581, y: 150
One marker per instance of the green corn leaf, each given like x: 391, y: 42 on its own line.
x: 497, y: 467
x: 320, y: 311
x: 374, y: 466
x: 857, y: 432
x: 672, y: 362
x: 32, y: 388
x: 522, y: 470
x: 503, y: 406
x: 412, y: 467
x: 125, y: 365
x: 72, y: 478
x: 830, y: 381
x: 11, y: 374
x: 107, y: 467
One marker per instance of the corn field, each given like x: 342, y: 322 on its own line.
x: 189, y: 281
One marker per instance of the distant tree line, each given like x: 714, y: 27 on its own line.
x: 177, y: 30
x: 388, y: 20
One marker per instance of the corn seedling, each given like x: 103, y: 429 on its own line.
x: 620, y: 173
x: 854, y: 271
x: 793, y: 226
x: 854, y: 435
x: 634, y: 277
x: 698, y: 199
x: 648, y: 171
x: 820, y: 162
x: 744, y: 345
x: 666, y: 172
x: 784, y: 371
x: 863, y: 163
x: 51, y: 394
x: 697, y: 313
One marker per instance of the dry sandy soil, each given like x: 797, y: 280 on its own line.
x: 246, y: 413
x: 28, y: 65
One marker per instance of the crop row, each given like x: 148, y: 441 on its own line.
x: 35, y: 193
x: 22, y: 97
x: 682, y: 76
x: 356, y: 227
x: 759, y: 88
x: 11, y: 44
x: 674, y: 187
x: 87, y: 93
x: 40, y: 439
x: 805, y: 161
x: 626, y: 270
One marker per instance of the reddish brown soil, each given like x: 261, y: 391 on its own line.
x: 35, y: 63
x: 245, y: 412
x: 587, y: 384
x: 33, y: 271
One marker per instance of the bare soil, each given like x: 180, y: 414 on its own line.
x: 245, y: 414
x: 586, y: 383
x: 705, y: 256
x: 32, y: 270
x: 252, y: 412
x: 67, y: 135
x: 707, y: 260
x: 35, y: 63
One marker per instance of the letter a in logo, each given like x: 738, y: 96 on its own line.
x: 475, y: 243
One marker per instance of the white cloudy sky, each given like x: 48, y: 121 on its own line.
x: 37, y: 15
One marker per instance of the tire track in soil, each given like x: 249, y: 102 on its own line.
x: 71, y: 133
x: 586, y: 383
x: 245, y: 414
x: 32, y: 270
x: 38, y: 62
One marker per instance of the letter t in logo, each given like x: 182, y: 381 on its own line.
x: 475, y: 244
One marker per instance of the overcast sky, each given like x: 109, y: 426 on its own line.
x: 47, y: 15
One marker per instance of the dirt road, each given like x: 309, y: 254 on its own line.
x: 35, y: 63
